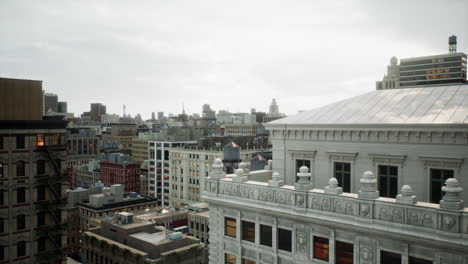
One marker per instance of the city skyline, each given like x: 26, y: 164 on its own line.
x: 156, y: 57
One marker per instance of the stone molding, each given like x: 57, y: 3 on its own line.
x: 302, y: 154
x: 445, y: 162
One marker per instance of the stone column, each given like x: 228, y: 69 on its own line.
x: 304, y: 182
x: 452, y: 198
x: 368, y: 188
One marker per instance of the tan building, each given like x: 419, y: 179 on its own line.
x: 199, y: 226
x: 128, y: 240
x: 241, y: 130
x: 20, y: 99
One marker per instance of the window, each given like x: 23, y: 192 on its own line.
x: 438, y: 178
x: 389, y: 257
x: 2, y: 195
x: 56, y: 139
x: 321, y: 248
x: 40, y: 140
x: 41, y: 219
x: 247, y: 261
x: 20, y: 170
x: 230, y: 226
x: 1, y: 142
x: 299, y: 164
x: 58, y: 215
x: 266, y: 235
x: 343, y: 253
x: 41, y: 192
x: 20, y: 222
x: 2, y: 225
x: 1, y: 170
x: 2, y: 252
x: 342, y: 172
x: 21, y: 249
x: 415, y: 260
x: 248, y: 231
x: 229, y: 259
x: 41, y: 244
x: 20, y: 195
x: 284, y: 239
x: 40, y: 166
x: 388, y: 181
x: 58, y: 240
x: 20, y: 141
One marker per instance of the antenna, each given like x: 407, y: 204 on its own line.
x: 123, y: 110
x: 453, y: 44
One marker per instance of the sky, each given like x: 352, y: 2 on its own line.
x: 160, y: 55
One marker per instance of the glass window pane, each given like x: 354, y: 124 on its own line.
x: 248, y: 231
x: 321, y: 248
x: 230, y: 227
x: 266, y: 235
x: 415, y: 260
x: 344, y: 253
x: 230, y: 259
x: 389, y: 257
x: 284, y: 239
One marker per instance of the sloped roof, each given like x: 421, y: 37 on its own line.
x: 427, y: 105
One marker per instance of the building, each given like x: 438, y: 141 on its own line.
x: 125, y: 240
x: 160, y: 116
x: 273, y: 113
x: 50, y: 102
x: 109, y: 200
x: 241, y: 130
x: 117, y: 168
x: 87, y: 174
x: 24, y: 99
x: 123, y: 133
x: 198, y: 219
x: 62, y: 107
x: 444, y: 69
x: 82, y: 146
x: 32, y: 171
x: 188, y: 168
x: 256, y: 220
x: 140, y: 145
x: 97, y: 110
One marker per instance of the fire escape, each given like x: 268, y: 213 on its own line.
x: 53, y: 206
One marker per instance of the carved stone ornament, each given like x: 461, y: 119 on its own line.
x: 365, y: 209
x: 366, y: 255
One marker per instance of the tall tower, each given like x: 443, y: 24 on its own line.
x: 274, y: 108
x: 453, y: 44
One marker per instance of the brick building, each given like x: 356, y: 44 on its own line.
x: 117, y: 168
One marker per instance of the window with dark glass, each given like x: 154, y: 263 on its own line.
x: 438, y: 178
x: 415, y: 260
x: 343, y: 253
x: 230, y: 259
x: 41, y: 244
x: 20, y: 222
x: 2, y: 197
x: 20, y: 195
x: 2, y: 225
x: 40, y: 166
x: 58, y: 215
x: 247, y: 261
x: 20, y: 141
x: 230, y: 226
x: 20, y: 168
x: 40, y: 140
x: 21, y: 249
x: 248, y: 231
x: 387, y: 257
x: 284, y: 239
x: 41, y: 219
x: 300, y: 163
x: 1, y: 142
x: 41, y: 192
x: 388, y: 181
x: 266, y: 235
x: 1, y: 170
x: 2, y: 252
x: 342, y: 172
x: 321, y: 248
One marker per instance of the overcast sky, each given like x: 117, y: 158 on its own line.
x: 236, y: 55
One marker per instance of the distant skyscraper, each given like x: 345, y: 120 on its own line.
x: 273, y: 112
x: 50, y: 102
x: 97, y: 109
x: 153, y: 116
x: 160, y: 116
x: 208, y: 112
x: 274, y: 108
x: 62, y: 107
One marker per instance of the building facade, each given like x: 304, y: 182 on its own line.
x: 120, y: 169
x: 82, y: 146
x: 255, y: 221
x: 97, y: 110
x: 86, y: 174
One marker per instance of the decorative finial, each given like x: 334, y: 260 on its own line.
x: 276, y: 180
x: 332, y: 187
x: 304, y: 182
x: 452, y: 198
x: 368, y: 186
x: 406, y: 196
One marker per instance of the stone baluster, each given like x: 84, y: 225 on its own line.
x: 332, y: 187
x: 452, y: 199
x: 304, y: 182
x: 368, y: 186
x: 276, y: 180
x: 406, y: 196
x: 217, y: 170
x: 240, y: 174
x: 269, y: 166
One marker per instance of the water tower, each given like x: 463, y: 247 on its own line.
x: 231, y: 157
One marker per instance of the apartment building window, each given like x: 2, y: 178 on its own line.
x: 415, y: 260
x: 20, y: 195
x: 40, y: 166
x: 20, y: 168
x: 230, y: 259
x: 342, y: 172
x: 248, y: 231
x: 1, y: 170
x: 21, y: 249
x: 40, y: 140
x: 2, y: 252
x: 343, y: 253
x: 284, y: 239
x: 41, y: 219
x: 247, y: 261
x: 2, y: 225
x: 388, y: 181
x: 41, y: 244
x: 230, y: 226
x: 20, y: 141
x: 300, y: 163
x: 41, y: 192
x: 2, y: 197
x: 321, y: 248
x: 56, y: 139
x: 20, y: 222
x: 1, y: 142
x: 389, y: 257
x: 438, y: 178
x: 266, y: 235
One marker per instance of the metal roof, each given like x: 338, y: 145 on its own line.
x: 428, y: 105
